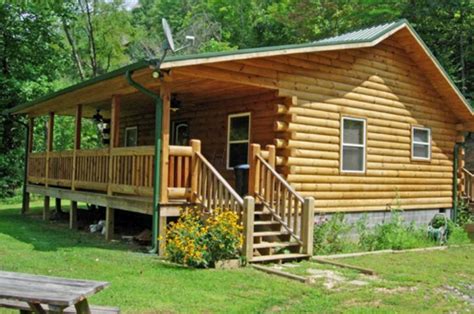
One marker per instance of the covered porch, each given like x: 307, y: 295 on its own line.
x: 177, y: 148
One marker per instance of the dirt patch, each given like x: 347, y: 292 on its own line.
x: 396, y: 290
x: 466, y: 293
x: 333, y: 279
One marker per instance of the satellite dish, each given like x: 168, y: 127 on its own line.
x: 168, y: 34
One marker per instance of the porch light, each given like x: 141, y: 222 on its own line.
x: 175, y: 104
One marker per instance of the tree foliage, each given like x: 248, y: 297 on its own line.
x: 46, y: 45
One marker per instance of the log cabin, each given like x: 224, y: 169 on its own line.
x: 358, y: 123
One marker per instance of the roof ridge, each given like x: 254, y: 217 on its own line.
x: 368, y: 33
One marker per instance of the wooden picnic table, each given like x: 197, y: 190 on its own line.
x: 46, y: 294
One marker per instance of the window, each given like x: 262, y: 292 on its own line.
x: 420, y: 143
x: 180, y: 133
x: 353, y: 145
x: 131, y: 136
x: 238, y: 135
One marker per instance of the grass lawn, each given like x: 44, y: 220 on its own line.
x: 413, y: 282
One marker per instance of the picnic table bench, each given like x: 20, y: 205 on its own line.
x: 44, y: 294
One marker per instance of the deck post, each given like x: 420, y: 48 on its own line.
x: 271, y: 155
x: 165, y: 142
x: 29, y: 145
x: 46, y: 210
x: 307, y: 225
x: 49, y: 144
x: 196, y: 147
x: 114, y: 142
x: 253, y: 171
x: 77, y: 144
x: 73, y: 216
x: 49, y: 148
x: 248, y: 222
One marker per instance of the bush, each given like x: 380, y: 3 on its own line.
x: 394, y: 234
x: 458, y: 235
x: 464, y: 215
x: 332, y: 236
x: 199, y: 242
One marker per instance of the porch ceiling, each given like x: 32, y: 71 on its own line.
x: 189, y: 90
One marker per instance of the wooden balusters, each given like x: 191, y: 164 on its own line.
x: 468, y: 185
x: 275, y: 193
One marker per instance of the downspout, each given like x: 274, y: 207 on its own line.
x: 27, y: 152
x: 157, y: 174
x: 457, y: 145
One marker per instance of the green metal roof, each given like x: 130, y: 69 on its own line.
x: 366, y: 35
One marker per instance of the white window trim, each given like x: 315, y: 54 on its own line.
x: 363, y: 145
x: 413, y: 142
x: 132, y: 128
x: 229, y: 117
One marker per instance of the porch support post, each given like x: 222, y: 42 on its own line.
x: 253, y: 171
x: 114, y: 142
x: 77, y: 144
x: 196, y: 147
x: 307, y: 225
x: 165, y: 142
x: 49, y: 143
x: 49, y: 148
x: 248, y: 222
x: 29, y: 148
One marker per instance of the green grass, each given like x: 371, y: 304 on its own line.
x: 141, y: 283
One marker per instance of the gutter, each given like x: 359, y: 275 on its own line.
x: 157, y: 162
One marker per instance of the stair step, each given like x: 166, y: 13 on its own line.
x: 269, y: 233
x: 265, y: 245
x: 278, y: 257
x: 262, y: 212
x: 266, y: 223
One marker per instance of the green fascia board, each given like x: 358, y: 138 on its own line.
x: 144, y: 63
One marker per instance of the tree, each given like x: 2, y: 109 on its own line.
x: 31, y: 59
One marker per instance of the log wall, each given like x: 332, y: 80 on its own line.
x: 381, y: 84
x: 208, y: 123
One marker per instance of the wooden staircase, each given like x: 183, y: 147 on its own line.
x: 277, y: 221
x: 271, y: 241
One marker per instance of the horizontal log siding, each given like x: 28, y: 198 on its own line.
x: 145, y: 123
x: 384, y: 86
x: 208, y: 122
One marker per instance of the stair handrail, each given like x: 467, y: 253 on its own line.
x: 203, y: 192
x: 281, y: 179
x: 468, y: 184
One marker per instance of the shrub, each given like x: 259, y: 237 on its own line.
x: 199, y: 242
x: 394, y: 234
x: 458, y: 235
x: 464, y: 215
x: 332, y: 236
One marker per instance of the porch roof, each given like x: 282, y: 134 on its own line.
x: 85, y: 91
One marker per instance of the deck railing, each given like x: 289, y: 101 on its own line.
x: 92, y: 169
x: 179, y: 172
x: 295, y: 213
x: 468, y: 184
x: 124, y: 170
x: 213, y: 191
